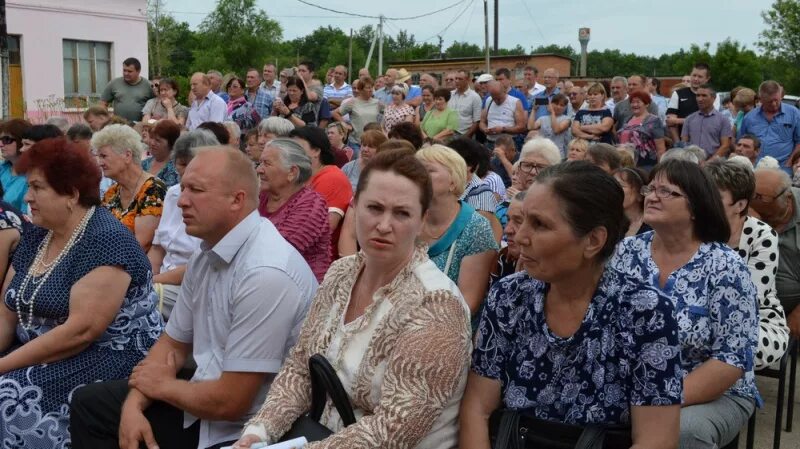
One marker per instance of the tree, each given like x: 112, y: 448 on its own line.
x: 781, y: 39
x: 734, y: 65
x: 463, y: 50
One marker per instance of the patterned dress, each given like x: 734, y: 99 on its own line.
x: 642, y: 134
x: 625, y: 352
x: 394, y: 114
x: 477, y: 237
x: 34, y: 401
x: 149, y: 201
x: 168, y: 174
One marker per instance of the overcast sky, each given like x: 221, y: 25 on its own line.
x: 637, y: 26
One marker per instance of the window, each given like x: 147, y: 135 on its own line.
x: 13, y: 50
x: 87, y: 68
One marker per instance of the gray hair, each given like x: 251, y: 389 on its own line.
x: 679, y: 154
x: 542, y: 147
x: 279, y: 126
x: 185, y: 148
x: 79, y: 131
x: 215, y: 72
x: 233, y: 129
x: 620, y: 79
x: 292, y: 154
x: 786, y: 180
x: 59, y: 122
x: 120, y: 138
x: 768, y: 162
x: 698, y: 152
x: 738, y: 159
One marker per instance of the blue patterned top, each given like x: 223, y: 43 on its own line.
x: 625, y: 352
x: 477, y: 237
x: 715, y: 305
x: 168, y: 173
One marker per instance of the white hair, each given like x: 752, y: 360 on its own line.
x: 768, y: 162
x: 542, y: 147
x: 120, y: 138
x: 739, y: 159
x: 680, y: 154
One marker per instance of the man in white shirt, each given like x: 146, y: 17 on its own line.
x: 338, y: 90
x: 531, y: 75
x: 270, y: 84
x: 207, y: 106
x: 239, y: 312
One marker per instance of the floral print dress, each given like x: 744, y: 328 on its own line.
x: 148, y: 201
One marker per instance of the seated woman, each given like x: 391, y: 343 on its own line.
x: 295, y: 106
x: 440, y: 123
x: 160, y: 164
x: 369, y: 143
x: 271, y: 128
x: 79, y: 304
x: 240, y: 111
x: 337, y: 136
x: 686, y: 258
x: 298, y: 212
x: 572, y: 339
x: 757, y: 243
x: 509, y: 255
x: 576, y: 151
x: 14, y: 184
x: 461, y: 241
x: 12, y: 225
x: 172, y: 247
x: 392, y: 324
x: 478, y: 193
x: 136, y: 196
x: 97, y: 117
x: 165, y: 106
x: 632, y: 180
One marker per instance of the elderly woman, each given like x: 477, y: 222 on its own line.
x: 136, y: 197
x: 757, y: 243
x: 394, y: 327
x: 370, y: 141
x: 687, y: 258
x: 337, y: 136
x: 632, y: 180
x: 271, y: 128
x: 160, y: 164
x: 240, y: 111
x: 509, y: 255
x: 172, y: 246
x: 461, y: 240
x: 644, y: 131
x: 397, y: 111
x: 595, y: 123
x: 295, y: 106
x: 165, y: 106
x: 78, y: 300
x: 362, y: 109
x: 572, y: 341
x: 97, y: 117
x: 13, y: 183
x: 441, y: 122
x: 604, y: 156
x: 298, y: 212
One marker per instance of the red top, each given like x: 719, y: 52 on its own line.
x: 335, y: 187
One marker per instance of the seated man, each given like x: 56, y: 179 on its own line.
x: 778, y: 203
x: 238, y: 313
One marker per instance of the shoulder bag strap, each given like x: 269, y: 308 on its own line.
x: 592, y: 437
x: 325, y: 383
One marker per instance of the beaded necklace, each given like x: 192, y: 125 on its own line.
x: 48, y: 268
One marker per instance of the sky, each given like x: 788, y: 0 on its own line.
x: 643, y: 27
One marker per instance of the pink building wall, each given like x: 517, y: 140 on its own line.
x: 43, y: 25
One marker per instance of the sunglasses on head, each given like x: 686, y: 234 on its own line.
x: 7, y: 140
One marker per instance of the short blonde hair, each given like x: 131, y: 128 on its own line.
x: 451, y: 160
x: 120, y: 138
x: 542, y: 147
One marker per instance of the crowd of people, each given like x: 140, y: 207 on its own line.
x: 477, y: 256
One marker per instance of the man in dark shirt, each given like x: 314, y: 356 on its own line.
x: 683, y: 101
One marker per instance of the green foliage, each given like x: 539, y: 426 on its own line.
x: 463, y: 50
x: 737, y: 65
x: 781, y: 38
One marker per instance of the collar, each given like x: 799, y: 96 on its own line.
x: 709, y: 114
x: 225, y: 250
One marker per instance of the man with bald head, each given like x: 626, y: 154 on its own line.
x: 502, y: 114
x: 778, y: 203
x: 256, y: 287
x: 207, y: 106
x: 338, y: 90
x: 384, y: 94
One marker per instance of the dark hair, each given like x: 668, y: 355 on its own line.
x: 503, y: 71
x: 219, y: 130
x: 16, y: 128
x: 403, y: 163
x: 641, y: 95
x: 710, y: 88
x: 705, y: 204
x: 79, y: 131
x: 171, y: 83
x: 475, y: 155
x: 41, y: 132
x: 66, y: 167
x: 589, y: 198
x: 430, y: 88
x: 309, y: 65
x: 560, y: 99
x: 230, y: 81
x: 641, y: 77
x: 636, y: 178
x: 703, y: 66
x: 407, y: 131
x: 317, y: 139
x: 298, y: 83
x: 133, y: 62
x: 167, y: 130
x: 734, y: 177
x: 442, y: 93
x: 756, y: 140
x: 603, y: 152
x: 657, y: 83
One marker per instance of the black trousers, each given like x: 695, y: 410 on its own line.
x: 95, y: 414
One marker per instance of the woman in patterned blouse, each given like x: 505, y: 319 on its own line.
x: 136, y: 197
x: 393, y: 326
x: 572, y: 339
x: 686, y: 258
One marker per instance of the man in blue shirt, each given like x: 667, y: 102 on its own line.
x: 542, y: 99
x: 504, y: 76
x: 775, y: 123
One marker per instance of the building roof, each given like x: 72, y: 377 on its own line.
x: 479, y: 58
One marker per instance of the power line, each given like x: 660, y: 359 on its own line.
x: 378, y: 17
x: 451, y: 22
x: 533, y: 19
x: 271, y: 15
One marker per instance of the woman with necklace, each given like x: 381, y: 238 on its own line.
x: 136, y: 198
x: 160, y: 164
x: 395, y: 329
x: 78, y: 298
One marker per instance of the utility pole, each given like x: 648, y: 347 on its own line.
x: 371, y: 48
x: 486, y: 33
x: 350, y: 57
x: 158, y: 32
x: 380, y: 45
x: 441, y: 43
x: 496, y: 27
x: 4, y: 58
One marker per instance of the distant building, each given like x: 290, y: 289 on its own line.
x: 64, y: 52
x: 477, y: 65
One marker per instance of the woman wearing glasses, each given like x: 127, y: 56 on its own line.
x: 686, y: 257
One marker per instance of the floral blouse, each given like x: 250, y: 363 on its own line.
x: 243, y: 114
x: 168, y: 173
x: 643, y: 134
x: 715, y: 305
x: 625, y: 352
x: 392, y: 115
x: 148, y: 201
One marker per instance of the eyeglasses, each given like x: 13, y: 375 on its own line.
x: 766, y: 199
x: 155, y: 85
x: 530, y: 167
x: 660, y: 191
x: 7, y: 140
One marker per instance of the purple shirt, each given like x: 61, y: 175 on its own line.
x: 706, y: 130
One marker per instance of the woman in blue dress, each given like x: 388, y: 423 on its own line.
x: 79, y: 302
x: 686, y: 257
x: 572, y: 340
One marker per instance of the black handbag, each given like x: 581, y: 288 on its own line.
x: 510, y: 429
x: 324, y: 384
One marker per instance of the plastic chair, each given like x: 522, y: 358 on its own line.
x: 780, y: 374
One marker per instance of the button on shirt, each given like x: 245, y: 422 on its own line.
x: 706, y: 130
x: 468, y: 106
x: 274, y: 90
x: 241, y: 306
x: 779, y: 136
x: 212, y: 108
